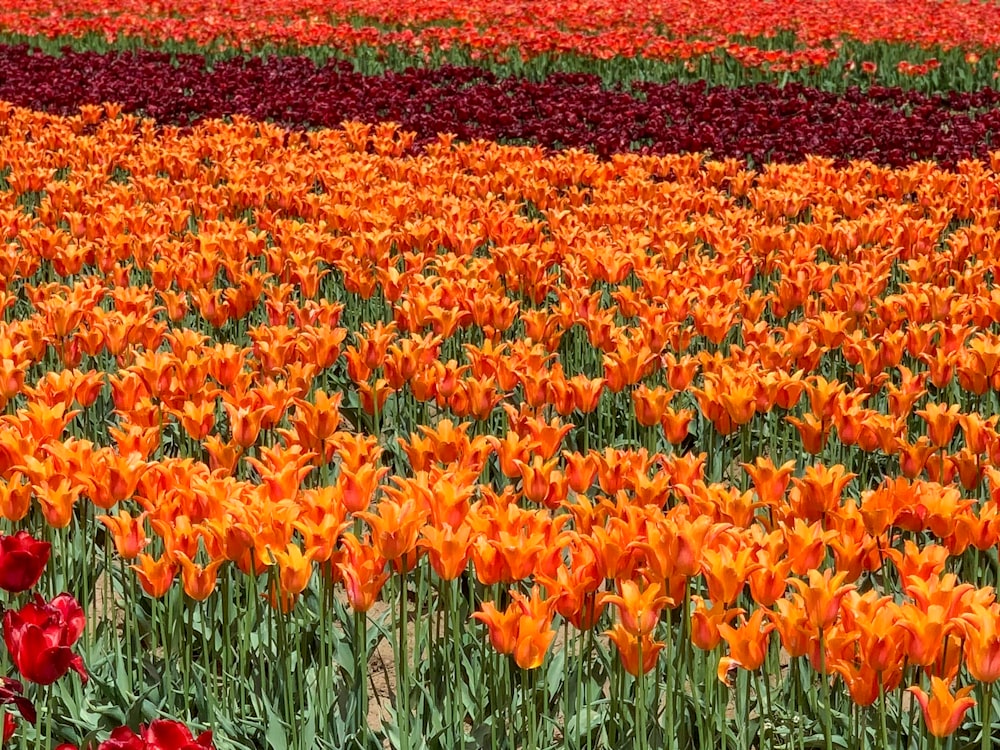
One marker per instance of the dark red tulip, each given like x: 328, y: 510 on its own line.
x: 40, y: 637
x: 22, y: 561
x: 762, y: 123
x: 11, y: 694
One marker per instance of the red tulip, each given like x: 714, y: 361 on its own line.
x: 22, y: 560
x: 161, y: 734
x: 9, y: 726
x: 172, y: 735
x: 122, y: 738
x: 40, y: 637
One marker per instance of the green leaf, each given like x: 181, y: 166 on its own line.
x: 819, y: 740
x: 276, y: 732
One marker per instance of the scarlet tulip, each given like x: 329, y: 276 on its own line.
x: 161, y: 734
x: 40, y: 637
x: 9, y: 727
x: 22, y: 560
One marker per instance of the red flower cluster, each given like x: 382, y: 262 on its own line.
x: 596, y: 28
x: 40, y: 636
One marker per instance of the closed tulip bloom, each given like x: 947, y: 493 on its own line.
x: 22, y: 561
x: 748, y: 644
x: 156, y: 574
x: 503, y: 626
x: 982, y: 643
x: 363, y: 572
x: 534, y: 636
x: 632, y: 648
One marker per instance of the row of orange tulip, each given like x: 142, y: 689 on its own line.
x: 193, y: 303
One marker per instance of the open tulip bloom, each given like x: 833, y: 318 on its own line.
x: 40, y: 636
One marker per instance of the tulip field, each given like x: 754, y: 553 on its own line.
x: 578, y: 375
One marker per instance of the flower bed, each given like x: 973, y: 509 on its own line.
x: 347, y: 410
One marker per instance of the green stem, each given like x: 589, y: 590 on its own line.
x: 528, y: 690
x: 883, y: 733
x: 825, y: 684
x: 640, y: 704
x: 360, y: 671
x: 402, y: 672
x: 986, y: 741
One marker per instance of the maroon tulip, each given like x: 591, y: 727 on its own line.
x: 11, y: 693
x: 40, y: 637
x: 22, y: 560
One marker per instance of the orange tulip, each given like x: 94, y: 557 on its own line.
x: 363, y: 572
x: 57, y: 497
x: 586, y: 392
x: 705, y: 622
x: 747, y: 645
x: 503, y: 626
x: 818, y: 493
x: 199, y: 580
x: 155, y: 574
x: 769, y: 581
x: 650, y: 404
x: 448, y: 549
x: 943, y: 711
x: 295, y: 568
x: 15, y: 497
x: 814, y: 432
x: 357, y: 486
x: 395, y: 527
x: 639, y: 610
x: 769, y: 481
x: 941, y: 422
x: 676, y: 424
x: 632, y: 648
x: 982, y: 643
x: 861, y: 680
x: 792, y: 623
x: 245, y: 422
x: 127, y: 532
x: 580, y: 471
x: 541, y: 483
x: 534, y: 631
x: 726, y: 572
x: 822, y: 596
